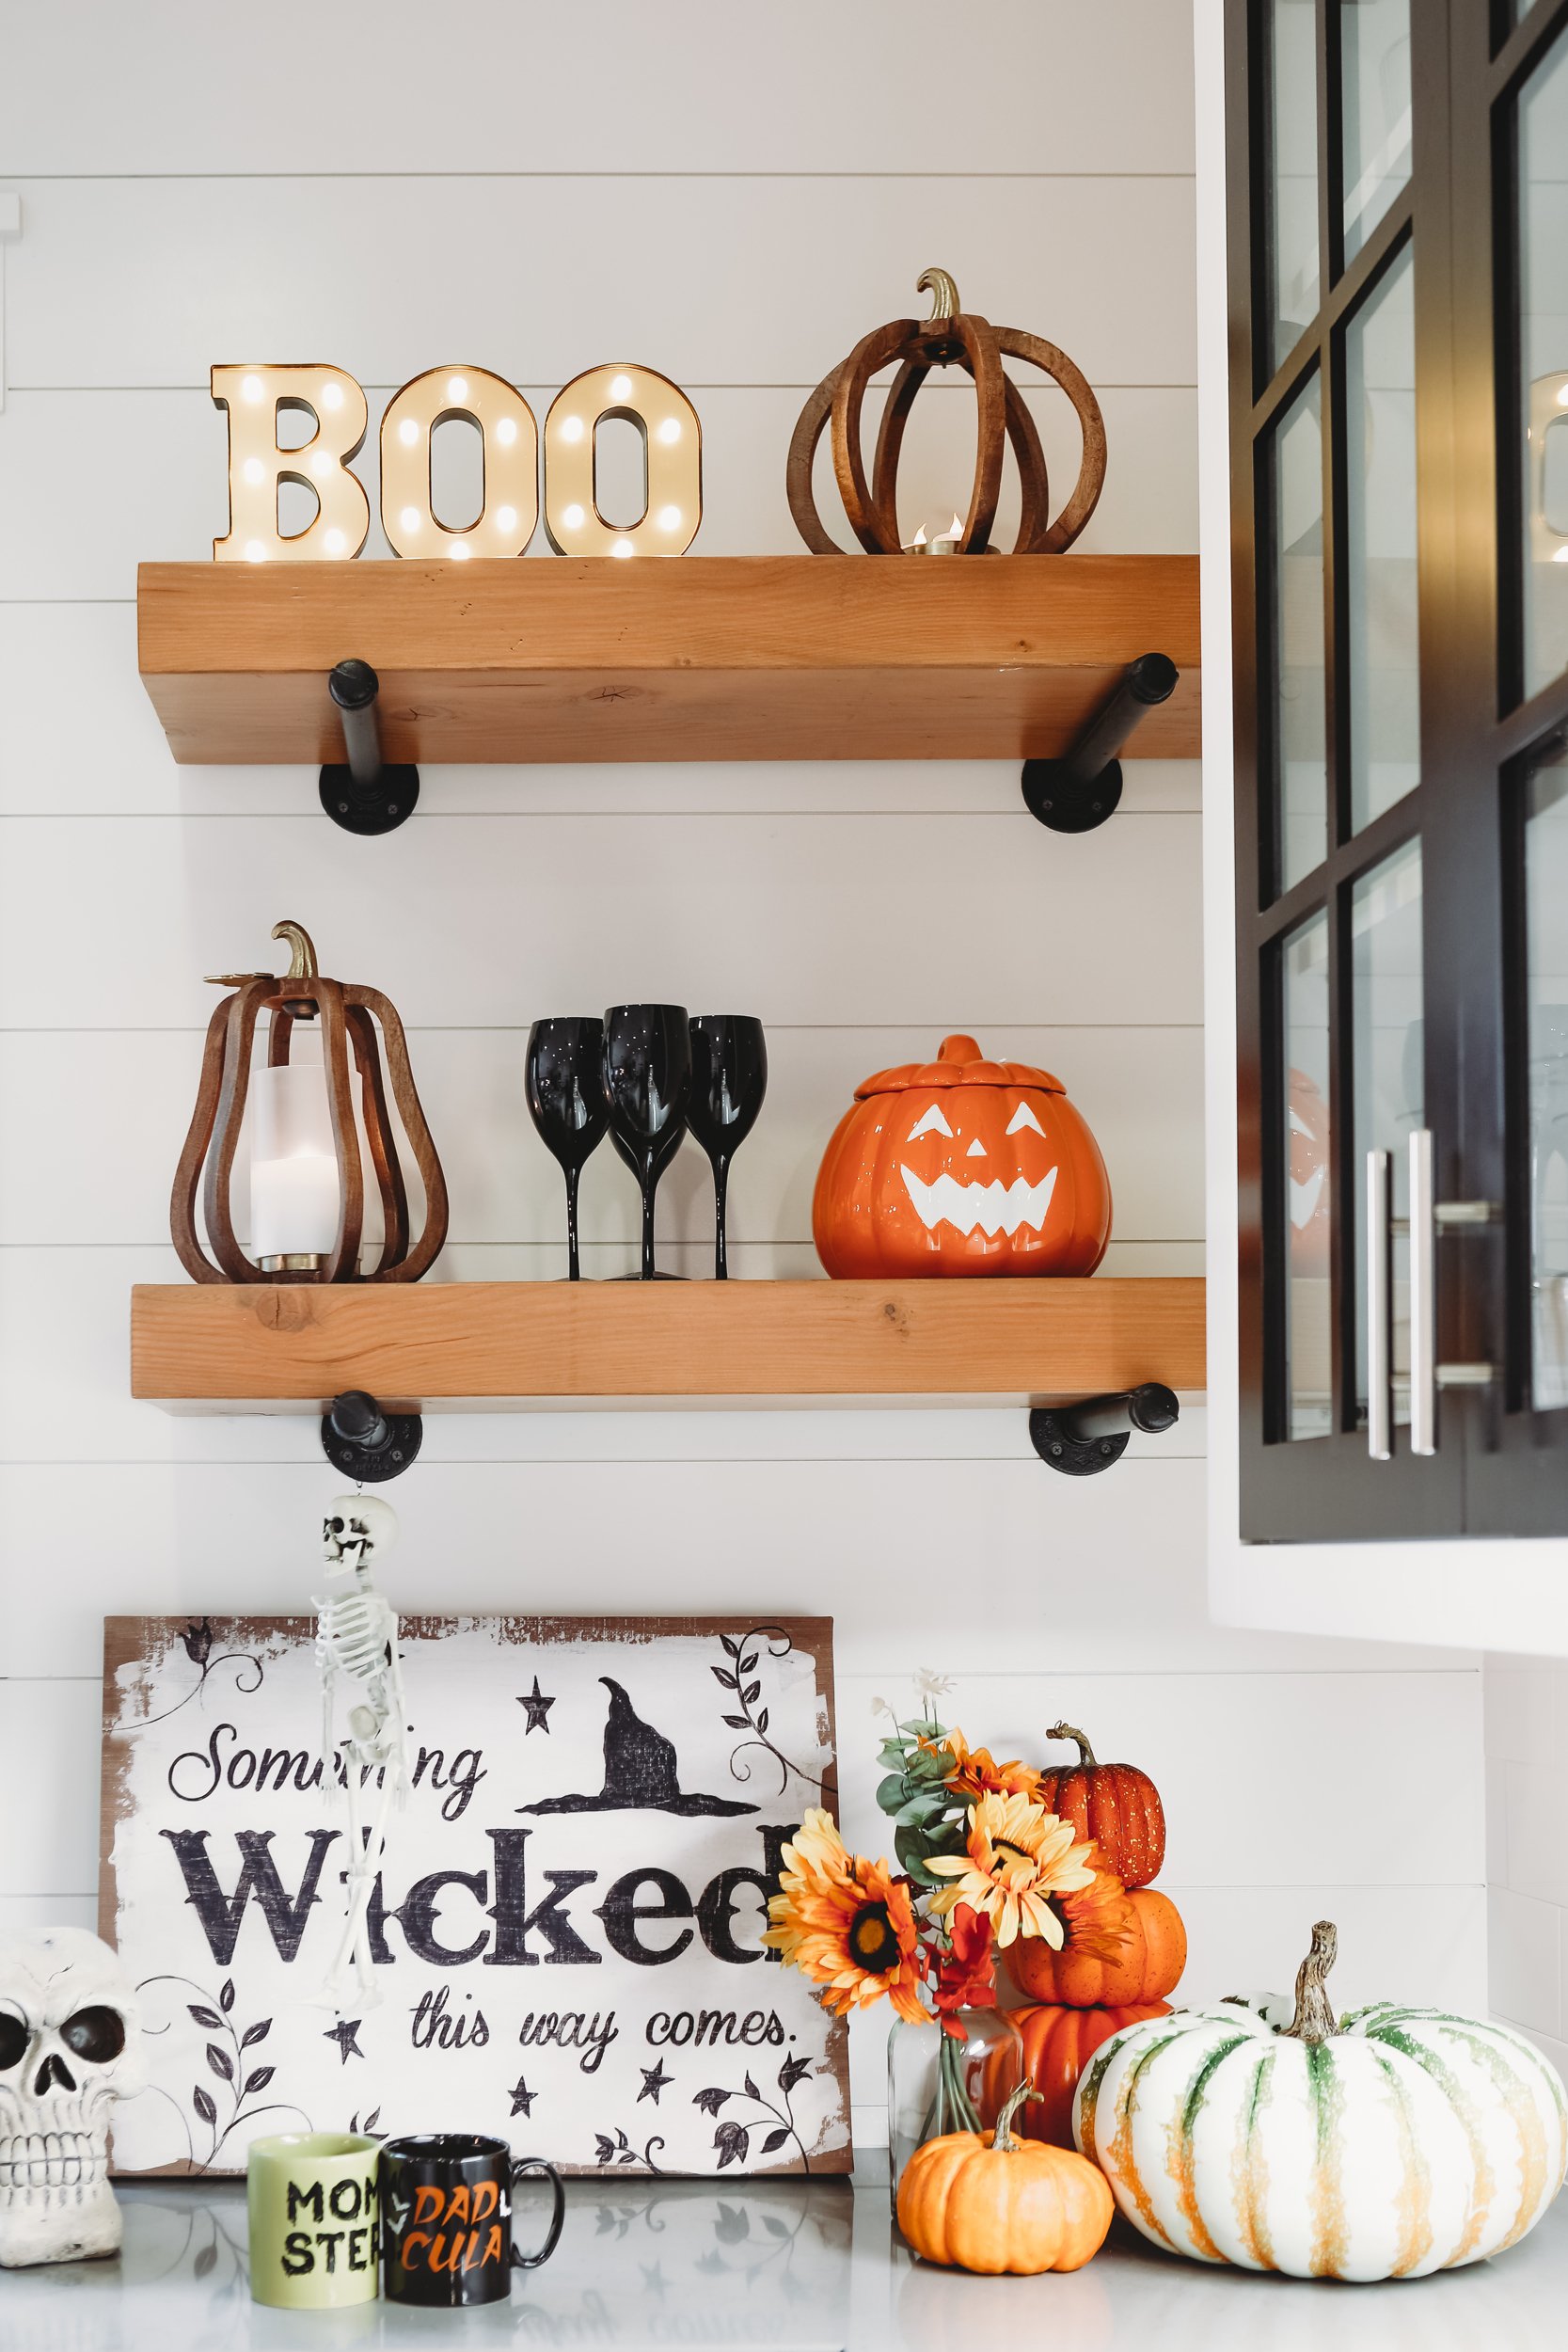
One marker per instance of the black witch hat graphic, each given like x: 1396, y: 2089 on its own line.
x: 638, y: 1772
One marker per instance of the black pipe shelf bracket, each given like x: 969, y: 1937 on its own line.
x: 364, y: 793
x: 1081, y: 1440
x: 1078, y: 792
x: 366, y: 1443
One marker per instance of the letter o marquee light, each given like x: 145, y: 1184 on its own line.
x: 255, y: 397
x: 671, y: 458
x: 511, y: 438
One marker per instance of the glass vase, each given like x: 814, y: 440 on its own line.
x: 941, y: 2082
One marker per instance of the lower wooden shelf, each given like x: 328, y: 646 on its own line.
x: 483, y: 1345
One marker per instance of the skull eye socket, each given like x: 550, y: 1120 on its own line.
x: 933, y: 1123
x: 14, y: 2037
x: 333, y: 1527
x: 1024, y: 1117
x: 96, y: 2034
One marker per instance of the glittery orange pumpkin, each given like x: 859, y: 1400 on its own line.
x: 961, y: 1166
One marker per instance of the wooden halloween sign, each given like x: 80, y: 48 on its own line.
x: 961, y: 1166
x: 568, y: 1917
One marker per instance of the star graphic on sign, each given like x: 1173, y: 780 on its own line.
x: 345, y: 2034
x: 522, y: 2097
x: 653, y: 2277
x: 538, y: 1708
x: 653, y: 2080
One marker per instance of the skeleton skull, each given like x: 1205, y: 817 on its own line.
x: 70, y: 2046
x: 356, y: 1530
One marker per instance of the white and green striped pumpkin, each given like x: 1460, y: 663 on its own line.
x: 1394, y: 2142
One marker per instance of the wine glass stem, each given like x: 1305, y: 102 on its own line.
x: 573, y: 1269
x: 720, y: 1195
x: 650, y: 1185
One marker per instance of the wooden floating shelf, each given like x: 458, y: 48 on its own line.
x: 447, y: 1346
x: 697, y: 659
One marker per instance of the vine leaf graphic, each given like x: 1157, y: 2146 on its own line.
x: 743, y: 1652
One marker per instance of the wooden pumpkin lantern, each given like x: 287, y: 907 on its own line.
x: 951, y: 337
x: 961, y: 1166
x: 317, y: 1122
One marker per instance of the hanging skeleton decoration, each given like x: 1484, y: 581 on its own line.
x: 70, y: 2046
x: 357, y: 1654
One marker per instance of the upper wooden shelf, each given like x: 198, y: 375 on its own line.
x: 260, y: 1349
x: 699, y: 657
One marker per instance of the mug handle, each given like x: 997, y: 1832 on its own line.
x: 537, y: 2164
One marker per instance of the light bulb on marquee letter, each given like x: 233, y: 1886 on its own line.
x: 255, y: 397
x: 671, y: 464
x: 511, y: 439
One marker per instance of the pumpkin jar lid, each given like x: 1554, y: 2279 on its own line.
x: 958, y: 1063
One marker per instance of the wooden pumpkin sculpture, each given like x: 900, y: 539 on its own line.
x: 1385, y: 2145
x: 356, y: 1024
x: 1059, y: 2044
x: 961, y: 1166
x: 1000, y: 2203
x: 1119, y: 1946
x: 950, y: 337
x: 1116, y: 1806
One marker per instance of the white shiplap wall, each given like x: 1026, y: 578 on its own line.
x: 732, y: 196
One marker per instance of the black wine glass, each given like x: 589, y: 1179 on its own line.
x: 565, y: 1080
x: 647, y: 1086
x: 729, y: 1079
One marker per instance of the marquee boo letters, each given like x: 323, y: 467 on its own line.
x: 255, y: 397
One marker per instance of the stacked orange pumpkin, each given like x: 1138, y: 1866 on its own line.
x: 1124, y: 1943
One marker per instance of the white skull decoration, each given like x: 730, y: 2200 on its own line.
x: 70, y: 2046
x: 358, y: 1529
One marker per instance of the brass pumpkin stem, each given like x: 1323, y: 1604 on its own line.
x: 1071, y: 1731
x: 302, y: 952
x: 1002, y: 2138
x: 938, y: 284
x: 1314, y: 2020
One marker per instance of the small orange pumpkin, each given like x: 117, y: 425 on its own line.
x: 1142, y: 1929
x: 1116, y: 1806
x: 1059, y: 2044
x: 1003, y: 2203
x: 961, y: 1166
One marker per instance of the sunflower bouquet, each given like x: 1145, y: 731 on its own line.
x: 981, y: 1862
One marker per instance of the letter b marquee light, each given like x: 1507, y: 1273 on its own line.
x: 255, y: 398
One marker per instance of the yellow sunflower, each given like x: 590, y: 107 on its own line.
x: 1018, y: 1856
x: 976, y: 1773
x: 853, y: 1934
x: 816, y: 1852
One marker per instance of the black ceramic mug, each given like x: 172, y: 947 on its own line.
x: 446, y: 2218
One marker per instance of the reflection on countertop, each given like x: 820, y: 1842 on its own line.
x: 798, y: 2266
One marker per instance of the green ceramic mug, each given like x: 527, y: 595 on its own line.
x: 315, y: 2237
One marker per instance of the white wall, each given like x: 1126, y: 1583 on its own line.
x: 734, y: 196
x: 1526, y: 1847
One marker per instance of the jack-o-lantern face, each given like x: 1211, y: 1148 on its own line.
x: 961, y: 1166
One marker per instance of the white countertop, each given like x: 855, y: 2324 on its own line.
x: 814, y: 2268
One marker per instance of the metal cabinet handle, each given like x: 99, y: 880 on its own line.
x: 1379, y: 1321
x: 1423, y: 1297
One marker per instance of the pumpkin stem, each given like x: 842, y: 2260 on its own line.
x: 1071, y: 1731
x: 302, y: 953
x: 938, y: 284
x: 1002, y: 2138
x: 1314, y: 2020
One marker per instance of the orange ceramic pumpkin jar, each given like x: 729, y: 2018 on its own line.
x: 961, y: 1166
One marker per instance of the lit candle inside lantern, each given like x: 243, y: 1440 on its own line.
x: 295, y: 1194
x: 939, y: 542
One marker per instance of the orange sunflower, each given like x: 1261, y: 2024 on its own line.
x: 1018, y: 1856
x: 846, y: 1923
x: 976, y: 1773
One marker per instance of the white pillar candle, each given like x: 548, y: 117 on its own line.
x: 294, y: 1194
